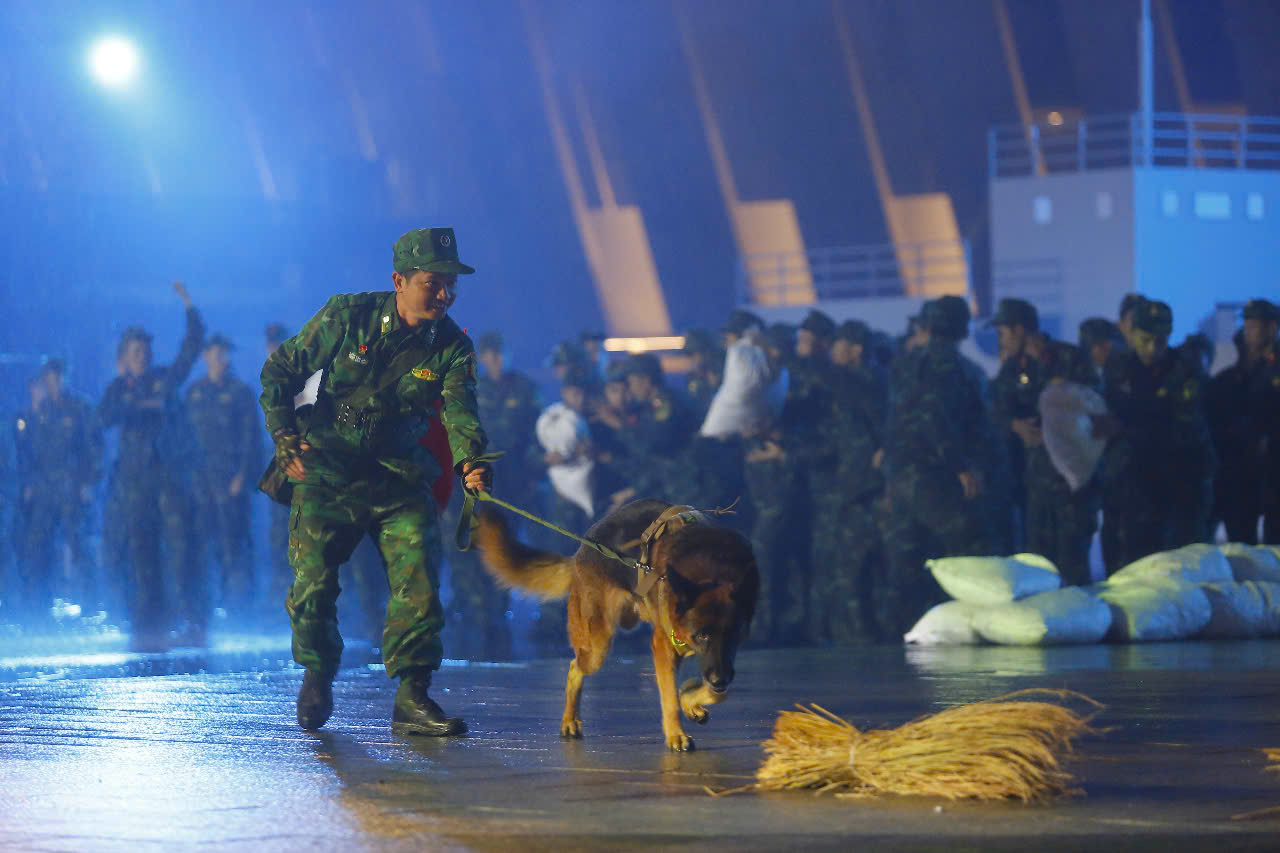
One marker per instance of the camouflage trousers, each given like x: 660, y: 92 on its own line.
x: 1060, y: 522
x: 923, y: 515
x: 846, y: 544
x: 156, y: 543
x: 325, y: 525
x: 222, y: 531
x: 41, y: 573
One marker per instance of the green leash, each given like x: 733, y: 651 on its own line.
x: 467, y: 523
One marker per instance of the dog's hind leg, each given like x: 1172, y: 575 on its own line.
x: 695, y: 695
x: 590, y: 648
x: 664, y: 670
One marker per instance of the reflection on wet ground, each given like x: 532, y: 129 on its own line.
x: 101, y: 749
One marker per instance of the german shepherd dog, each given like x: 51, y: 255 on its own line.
x: 701, y: 603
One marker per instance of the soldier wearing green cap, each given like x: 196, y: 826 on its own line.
x: 223, y: 416
x: 933, y: 465
x: 394, y: 363
x: 1059, y: 523
x: 1158, y: 479
x: 1244, y: 412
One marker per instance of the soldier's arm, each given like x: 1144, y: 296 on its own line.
x: 94, y: 449
x: 249, y: 462
x: 290, y: 365
x: 192, y: 344
x: 459, y: 412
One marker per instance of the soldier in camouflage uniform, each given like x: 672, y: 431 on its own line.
x: 706, y: 365
x: 59, y: 463
x: 932, y: 466
x: 149, y: 493
x: 223, y: 415
x: 1059, y: 522
x: 367, y: 466
x: 1158, y: 483
x: 1244, y: 415
x: 508, y: 405
x: 846, y: 543
x: 279, y: 574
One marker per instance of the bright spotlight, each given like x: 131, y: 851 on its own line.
x: 114, y: 61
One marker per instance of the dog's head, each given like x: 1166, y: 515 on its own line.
x: 712, y: 575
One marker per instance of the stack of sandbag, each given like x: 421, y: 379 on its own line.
x: 1248, y: 604
x: 1008, y: 600
x: 1158, y: 597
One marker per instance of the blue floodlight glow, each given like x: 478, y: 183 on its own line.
x: 114, y: 61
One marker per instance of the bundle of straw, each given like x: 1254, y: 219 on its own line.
x: 998, y: 749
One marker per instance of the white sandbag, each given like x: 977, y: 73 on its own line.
x: 1191, y: 563
x: 563, y: 431
x: 1057, y: 617
x: 749, y: 395
x: 1242, y: 610
x: 1066, y: 422
x: 1251, y: 562
x: 994, y: 580
x: 1159, y: 609
x: 946, y: 624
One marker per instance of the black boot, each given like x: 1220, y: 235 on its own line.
x: 414, y: 712
x: 315, y: 700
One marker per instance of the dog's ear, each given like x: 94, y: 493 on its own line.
x: 686, y: 591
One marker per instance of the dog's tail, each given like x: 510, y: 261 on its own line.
x: 514, y: 564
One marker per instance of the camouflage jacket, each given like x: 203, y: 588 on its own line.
x: 1162, y: 410
x: 153, y: 435
x: 225, y: 422
x: 937, y: 413
x: 509, y: 409
x: 353, y: 339
x: 59, y: 446
x: 853, y: 431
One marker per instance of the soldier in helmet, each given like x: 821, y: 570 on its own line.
x: 1059, y: 522
x: 224, y: 417
x: 60, y: 462
x: 150, y: 485
x: 397, y: 369
x: 933, y: 466
x: 1158, y: 484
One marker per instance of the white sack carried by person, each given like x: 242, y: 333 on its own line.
x: 564, y: 432
x: 1057, y: 617
x: 1066, y: 422
x: 994, y: 580
x: 749, y: 396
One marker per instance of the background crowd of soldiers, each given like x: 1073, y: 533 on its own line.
x: 885, y: 452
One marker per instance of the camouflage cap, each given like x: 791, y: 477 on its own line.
x: 644, y: 364
x: 1016, y: 312
x: 219, y: 340
x: 276, y: 333
x: 53, y: 365
x: 430, y: 250
x: 567, y: 352
x: 947, y: 317
x: 739, y: 321
x: 853, y: 331
x: 1153, y: 317
x: 698, y: 341
x: 1097, y: 330
x: 490, y: 341
x: 1261, y: 309
x: 819, y: 324
x: 1130, y: 302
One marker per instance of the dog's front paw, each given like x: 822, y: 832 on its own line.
x: 679, y: 742
x: 571, y: 728
x: 693, y: 710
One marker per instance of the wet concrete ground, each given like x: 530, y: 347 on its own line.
x: 102, y: 750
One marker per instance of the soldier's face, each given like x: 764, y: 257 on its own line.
x: 1100, y: 352
x: 841, y: 353
x: 639, y: 386
x: 615, y: 394
x: 491, y: 360
x: 806, y: 343
x: 136, y: 358
x: 217, y: 360
x: 1258, y: 333
x: 573, y: 397
x: 425, y: 295
x: 1147, y: 346
x: 53, y: 384
x: 1011, y: 340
